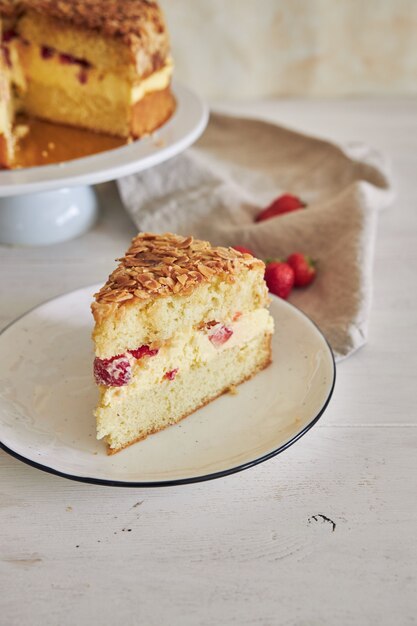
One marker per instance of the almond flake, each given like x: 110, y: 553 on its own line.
x: 185, y: 243
x: 206, y: 271
x: 166, y: 281
x: 182, y: 278
x: 142, y: 295
x: 129, y: 262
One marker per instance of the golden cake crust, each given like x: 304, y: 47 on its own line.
x: 139, y: 24
x: 9, y: 8
x: 153, y: 110
x: 162, y: 265
x: 4, y: 152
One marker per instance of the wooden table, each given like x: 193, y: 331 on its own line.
x: 322, y: 535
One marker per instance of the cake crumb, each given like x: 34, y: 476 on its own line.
x: 233, y: 390
x: 69, y: 508
x: 157, y: 141
x: 20, y: 131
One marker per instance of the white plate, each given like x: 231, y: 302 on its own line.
x: 47, y: 398
x: 181, y: 130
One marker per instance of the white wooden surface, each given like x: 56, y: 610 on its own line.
x: 323, y: 535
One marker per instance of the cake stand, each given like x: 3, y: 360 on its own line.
x: 53, y: 203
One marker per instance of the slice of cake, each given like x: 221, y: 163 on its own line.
x: 178, y: 323
x: 102, y: 65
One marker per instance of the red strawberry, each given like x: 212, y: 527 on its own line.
x: 284, y: 204
x: 113, y: 372
x: 304, y: 269
x: 143, y: 351
x: 171, y: 375
x: 279, y: 278
x: 219, y: 334
x: 243, y: 250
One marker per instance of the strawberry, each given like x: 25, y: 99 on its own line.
x: 219, y: 334
x: 304, y: 269
x: 143, y: 351
x: 113, y: 372
x: 279, y: 277
x: 117, y: 370
x: 243, y: 250
x: 283, y: 204
x: 171, y: 375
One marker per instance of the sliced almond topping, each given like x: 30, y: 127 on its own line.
x: 157, y: 265
x: 222, y: 253
x: 182, y: 278
x: 142, y: 295
x: 121, y: 296
x: 130, y: 262
x: 144, y: 278
x: 185, y: 243
x: 206, y: 271
x: 166, y: 281
x: 122, y: 279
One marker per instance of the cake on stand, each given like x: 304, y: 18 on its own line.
x: 53, y: 203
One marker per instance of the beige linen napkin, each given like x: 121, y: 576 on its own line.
x: 214, y: 191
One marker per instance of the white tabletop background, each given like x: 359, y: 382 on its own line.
x: 325, y: 534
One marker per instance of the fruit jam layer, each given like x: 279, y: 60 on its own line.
x: 48, y: 66
x: 149, y: 365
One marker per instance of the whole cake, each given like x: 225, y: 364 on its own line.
x: 102, y: 65
x: 177, y: 323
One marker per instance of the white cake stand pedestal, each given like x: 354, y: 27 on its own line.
x: 47, y: 216
x: 53, y: 203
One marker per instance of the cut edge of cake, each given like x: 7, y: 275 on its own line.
x: 6, y: 109
x: 228, y: 387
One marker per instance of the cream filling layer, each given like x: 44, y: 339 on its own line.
x: 187, y: 349
x: 155, y: 82
x: 31, y: 62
